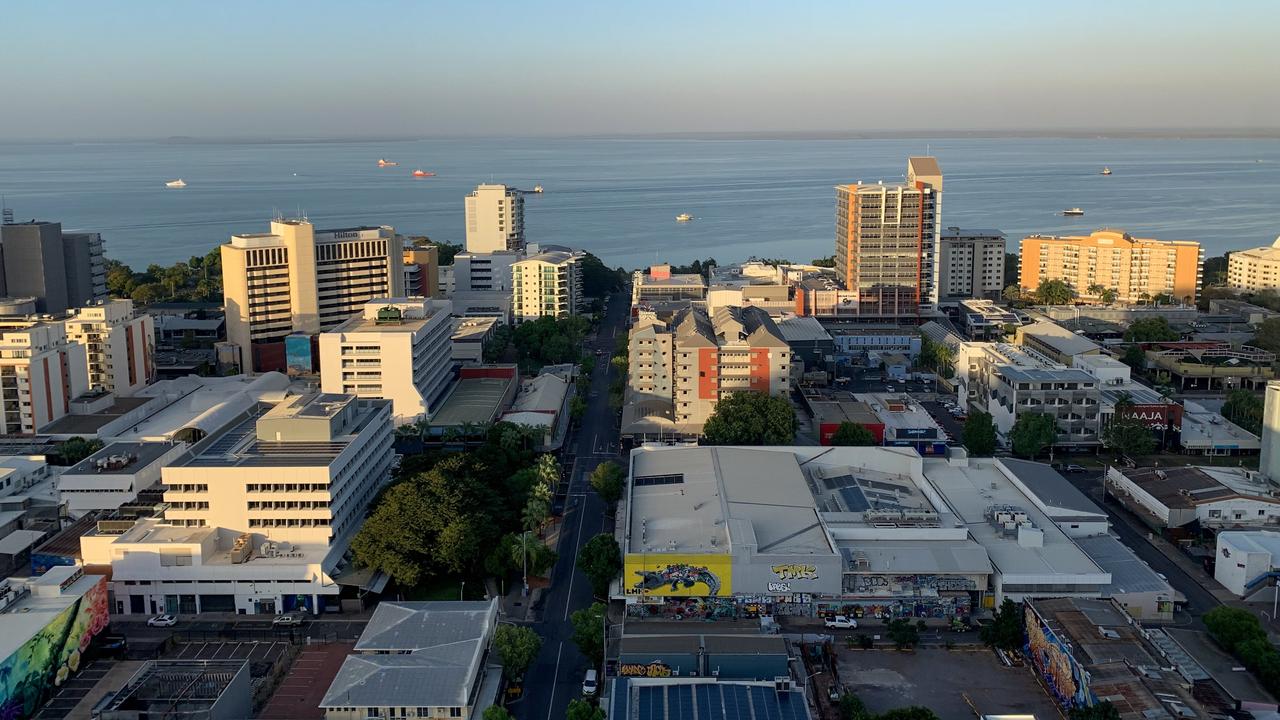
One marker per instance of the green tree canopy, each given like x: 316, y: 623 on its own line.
x: 580, y: 709
x: 392, y: 540
x: 910, y: 712
x: 1244, y: 409
x: 527, y: 550
x: 1006, y: 628
x: 903, y: 633
x: 852, y: 434
x: 601, y: 560
x: 1054, y: 292
x: 1135, y: 357
x: 598, y: 279
x: 517, y: 648
x: 1012, y: 294
x: 751, y: 418
x: 1268, y: 335
x: 979, y: 434
x: 73, y: 450
x: 1215, y: 270
x: 1129, y: 436
x: 827, y: 262
x: 1102, y: 711
x: 607, y: 480
x: 1155, y: 329
x: 496, y: 712
x: 1032, y: 432
x: 588, y: 632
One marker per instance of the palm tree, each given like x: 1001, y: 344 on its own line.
x: 548, y: 470
x: 946, y: 356
x: 535, y: 513
x: 1109, y: 295
x: 1095, y: 290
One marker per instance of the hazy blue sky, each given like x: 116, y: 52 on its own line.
x: 245, y: 68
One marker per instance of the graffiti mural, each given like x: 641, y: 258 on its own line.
x: 651, y: 670
x: 940, y: 608
x: 679, y: 575
x: 686, y: 609
x: 1067, y: 681
x: 795, y: 572
x: 906, y: 584
x: 29, y: 675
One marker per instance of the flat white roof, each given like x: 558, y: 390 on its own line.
x: 21, y: 621
x: 915, y: 557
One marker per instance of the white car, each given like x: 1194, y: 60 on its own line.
x: 162, y: 621
x: 840, y: 622
x: 287, y: 621
x: 590, y: 683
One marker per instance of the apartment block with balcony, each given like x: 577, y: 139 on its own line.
x: 970, y: 264
x: 398, y: 349
x: 41, y: 372
x: 887, y: 243
x: 1136, y: 269
x: 119, y: 344
x: 296, y: 279
x: 548, y: 284
x: 421, y: 271
x: 1255, y: 269
x: 495, y: 219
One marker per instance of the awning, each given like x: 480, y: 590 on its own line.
x: 367, y: 579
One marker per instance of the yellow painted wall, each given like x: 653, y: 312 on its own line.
x: 675, y: 575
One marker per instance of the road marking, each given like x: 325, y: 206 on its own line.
x: 568, y: 596
x: 551, y: 702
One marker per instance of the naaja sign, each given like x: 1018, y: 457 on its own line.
x: 1156, y: 417
x: 652, y: 670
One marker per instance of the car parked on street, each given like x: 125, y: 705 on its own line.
x: 162, y: 621
x: 840, y: 622
x: 590, y: 683
x: 1074, y: 468
x: 288, y: 621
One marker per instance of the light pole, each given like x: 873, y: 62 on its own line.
x: 524, y: 546
x: 805, y: 685
x: 462, y: 590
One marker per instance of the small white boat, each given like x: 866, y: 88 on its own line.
x: 1105, y: 171
x: 537, y: 188
x: 383, y: 162
x: 175, y: 183
x: 1073, y: 211
x: 684, y: 217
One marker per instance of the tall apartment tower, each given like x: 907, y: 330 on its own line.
x: 547, y: 284
x: 120, y: 345
x: 61, y: 270
x: 887, y: 242
x: 1138, y: 269
x: 970, y: 264
x: 495, y: 219
x: 41, y: 372
x: 296, y: 279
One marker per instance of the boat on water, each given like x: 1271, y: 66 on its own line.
x: 423, y: 173
x: 684, y: 217
x: 175, y: 183
x: 537, y: 188
x: 383, y: 162
x: 1073, y: 211
x: 1105, y: 171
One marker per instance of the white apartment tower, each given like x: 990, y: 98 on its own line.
x: 547, y: 284
x: 971, y: 264
x: 495, y: 219
x: 120, y: 345
x: 296, y: 279
x: 41, y: 372
x: 398, y: 349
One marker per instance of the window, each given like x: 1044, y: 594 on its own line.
x: 1215, y: 513
x: 455, y: 712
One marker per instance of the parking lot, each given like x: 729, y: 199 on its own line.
x: 952, y: 683
x: 74, y: 690
x: 252, y: 651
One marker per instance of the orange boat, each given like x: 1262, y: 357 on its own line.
x: 423, y: 173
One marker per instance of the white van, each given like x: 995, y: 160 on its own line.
x: 590, y: 684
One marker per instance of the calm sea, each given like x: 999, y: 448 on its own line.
x: 618, y: 197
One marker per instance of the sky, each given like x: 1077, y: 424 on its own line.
x: 238, y: 68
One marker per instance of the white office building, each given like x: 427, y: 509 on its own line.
x: 495, y: 219
x: 398, y: 349
x: 972, y: 264
x: 119, y: 343
x: 1248, y: 562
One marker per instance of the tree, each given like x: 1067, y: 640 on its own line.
x: 459, y: 545
x: 1012, y: 294
x: 1005, y: 630
x: 535, y: 513
x: 528, y: 551
x: 910, y: 712
x: 826, y: 262
x: 1268, y: 335
x: 1155, y: 329
x: 1215, y: 270
x: 601, y: 560
x: 979, y: 434
x: 147, y: 293
x: 1244, y: 409
x: 1012, y: 266
x: 1135, y: 357
x: 1102, y: 711
x: 607, y: 480
x: 1054, y: 292
x: 751, y: 418
x: 903, y: 633
x: 588, y: 632
x: 597, y: 279
x: 852, y: 434
x: 391, y: 541
x: 852, y: 708
x: 75, y: 449
x: 1231, y: 627
x: 517, y: 648
x: 583, y: 710
x: 1109, y: 296
x: 445, y: 252
x: 496, y: 712
x: 1128, y: 436
x: 1032, y: 432
x: 1095, y: 289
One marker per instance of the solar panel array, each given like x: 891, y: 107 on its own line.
x: 716, y: 701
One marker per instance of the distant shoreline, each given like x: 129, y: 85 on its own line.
x: 941, y: 134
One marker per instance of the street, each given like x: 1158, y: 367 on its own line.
x: 556, y: 675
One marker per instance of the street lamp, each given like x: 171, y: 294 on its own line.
x: 524, y: 546
x: 805, y: 684
x: 461, y: 590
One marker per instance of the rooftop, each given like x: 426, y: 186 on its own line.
x: 472, y: 329
x: 915, y: 557
x: 474, y: 400
x: 89, y: 424
x: 838, y: 411
x: 802, y: 329
x: 422, y: 654
x: 39, y: 601
x: 705, y: 699
x: 175, y: 688
x: 1019, y: 373
x: 715, y: 499
x: 1187, y: 487
x: 900, y: 412
x: 119, y: 458
x: 1205, y: 429
x: 1129, y: 574
x: 1059, y: 496
x: 1059, y: 338
x: 955, y: 232
x: 394, y: 315
x: 879, y: 496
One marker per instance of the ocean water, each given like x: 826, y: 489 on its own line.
x: 618, y: 197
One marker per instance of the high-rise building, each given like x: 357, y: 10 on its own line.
x: 1255, y: 269
x: 971, y: 264
x: 398, y: 349
x: 59, y: 269
x: 1137, y: 269
x: 495, y: 219
x: 547, y: 284
x: 41, y: 372
x: 1269, y: 463
x: 887, y: 242
x: 120, y: 345
x: 680, y: 371
x: 296, y: 279
x: 422, y: 271
x: 484, y: 272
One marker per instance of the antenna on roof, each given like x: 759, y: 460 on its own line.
x: 6, y: 215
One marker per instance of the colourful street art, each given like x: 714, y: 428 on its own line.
x: 678, y: 575
x: 1067, y: 681
x: 30, y: 674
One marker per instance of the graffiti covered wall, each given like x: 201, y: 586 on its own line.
x: 32, y: 671
x: 661, y: 575
x: 1067, y: 680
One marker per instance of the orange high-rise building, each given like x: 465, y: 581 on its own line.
x: 1138, y: 269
